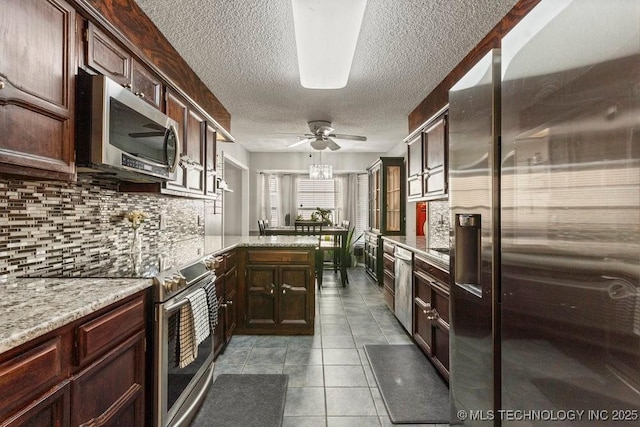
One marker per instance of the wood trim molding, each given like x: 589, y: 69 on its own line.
x: 439, y: 97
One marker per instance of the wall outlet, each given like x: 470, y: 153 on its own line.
x: 163, y: 222
x: 200, y: 222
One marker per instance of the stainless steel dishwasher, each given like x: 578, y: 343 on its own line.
x: 403, y: 305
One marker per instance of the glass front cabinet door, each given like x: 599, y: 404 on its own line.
x: 387, y: 196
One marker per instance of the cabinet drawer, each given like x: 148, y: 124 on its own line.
x: 28, y: 374
x: 99, y: 335
x: 420, y: 264
x: 389, y: 248
x: 277, y: 257
x: 389, y: 263
x: 221, y: 268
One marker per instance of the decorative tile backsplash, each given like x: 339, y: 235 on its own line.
x: 439, y: 224
x: 50, y: 228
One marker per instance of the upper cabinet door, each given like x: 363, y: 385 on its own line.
x: 210, y: 159
x: 414, y: 168
x: 435, y: 158
x: 177, y: 109
x: 37, y: 88
x: 107, y: 57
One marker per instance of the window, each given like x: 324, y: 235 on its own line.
x: 315, y: 193
x: 273, y: 198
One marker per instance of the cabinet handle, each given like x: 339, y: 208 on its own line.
x: 433, y: 315
x: 284, y: 291
x: 230, y: 302
x: 126, y: 85
x: 424, y: 311
x: 1, y: 85
x: 140, y: 94
x: 223, y: 305
x: 271, y: 291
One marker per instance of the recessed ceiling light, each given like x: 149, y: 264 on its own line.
x: 326, y: 37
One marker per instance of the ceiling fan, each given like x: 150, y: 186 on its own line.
x: 322, y: 136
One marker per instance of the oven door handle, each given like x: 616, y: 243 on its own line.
x: 168, y: 310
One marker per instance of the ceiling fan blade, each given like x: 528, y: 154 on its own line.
x: 320, y: 144
x: 306, y: 135
x: 145, y: 134
x: 350, y: 137
x: 302, y: 141
x: 332, y: 145
x: 324, y: 130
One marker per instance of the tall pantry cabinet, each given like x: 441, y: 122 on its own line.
x: 387, y: 195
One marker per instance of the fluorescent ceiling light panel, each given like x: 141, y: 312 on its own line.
x: 326, y: 38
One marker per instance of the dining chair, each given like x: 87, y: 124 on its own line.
x: 308, y: 227
x: 261, y: 227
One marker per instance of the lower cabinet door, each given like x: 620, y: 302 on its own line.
x: 110, y: 392
x: 294, y: 307
x: 261, y: 296
x: 52, y: 409
x: 219, y: 330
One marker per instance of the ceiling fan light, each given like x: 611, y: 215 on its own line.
x: 319, y: 144
x: 327, y: 33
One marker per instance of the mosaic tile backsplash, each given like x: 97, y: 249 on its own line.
x: 58, y: 229
x: 439, y: 224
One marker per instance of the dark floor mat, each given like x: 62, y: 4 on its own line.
x: 412, y: 390
x: 244, y: 400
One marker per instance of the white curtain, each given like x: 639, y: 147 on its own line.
x: 264, y: 197
x: 280, y: 202
x: 348, y: 202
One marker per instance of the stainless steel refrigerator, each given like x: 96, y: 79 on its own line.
x: 544, y: 152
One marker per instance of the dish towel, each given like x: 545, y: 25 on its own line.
x: 212, y: 301
x: 187, y: 349
x: 200, y: 310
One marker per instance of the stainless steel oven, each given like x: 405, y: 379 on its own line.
x: 179, y: 389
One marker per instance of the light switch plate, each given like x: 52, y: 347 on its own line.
x: 163, y: 222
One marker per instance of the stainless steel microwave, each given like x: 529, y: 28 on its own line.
x: 120, y: 134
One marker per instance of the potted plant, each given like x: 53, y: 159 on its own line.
x: 323, y: 215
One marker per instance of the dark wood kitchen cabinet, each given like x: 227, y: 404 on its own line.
x: 191, y: 129
x: 278, y: 291
x: 427, y: 161
x: 389, y: 274
x: 226, y: 290
x: 210, y: 141
x: 431, y: 312
x: 371, y: 245
x: 414, y: 168
x: 89, y: 372
x: 435, y: 151
x: 37, y: 88
x: 107, y: 57
x: 387, y: 197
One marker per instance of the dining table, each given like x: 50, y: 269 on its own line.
x: 326, y: 230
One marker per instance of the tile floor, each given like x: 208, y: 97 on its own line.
x: 330, y: 380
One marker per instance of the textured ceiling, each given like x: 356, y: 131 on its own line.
x: 244, y: 51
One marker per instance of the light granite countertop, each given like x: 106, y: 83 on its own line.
x: 32, y: 307
x: 217, y: 244
x: 419, y: 245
